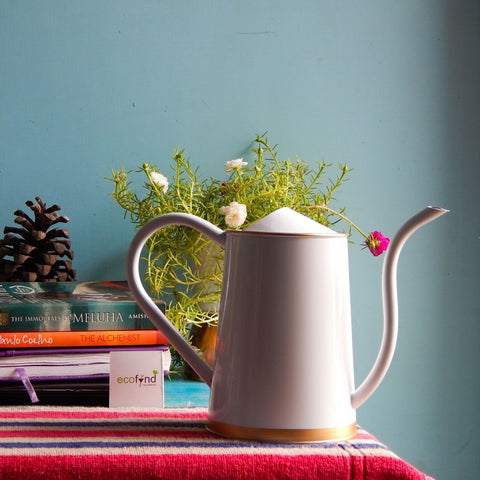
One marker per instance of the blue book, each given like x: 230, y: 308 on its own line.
x: 70, y: 306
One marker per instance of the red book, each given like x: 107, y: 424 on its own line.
x: 92, y: 338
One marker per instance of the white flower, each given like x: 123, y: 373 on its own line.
x: 160, y: 180
x: 235, y: 214
x: 237, y: 163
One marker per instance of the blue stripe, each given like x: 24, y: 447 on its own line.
x: 181, y: 444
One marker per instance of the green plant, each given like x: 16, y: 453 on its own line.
x: 249, y: 191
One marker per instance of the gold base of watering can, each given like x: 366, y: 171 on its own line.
x: 275, y: 435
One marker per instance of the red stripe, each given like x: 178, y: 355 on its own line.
x: 55, y: 414
x: 203, y: 467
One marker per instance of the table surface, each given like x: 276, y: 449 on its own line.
x: 54, y: 443
x: 77, y: 442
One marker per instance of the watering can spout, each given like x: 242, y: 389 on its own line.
x: 390, y: 302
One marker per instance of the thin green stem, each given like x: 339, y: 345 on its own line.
x: 338, y: 214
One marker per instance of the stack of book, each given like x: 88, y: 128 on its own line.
x: 56, y: 339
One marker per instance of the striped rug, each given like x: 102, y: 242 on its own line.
x: 101, y: 443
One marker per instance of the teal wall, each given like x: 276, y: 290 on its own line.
x: 390, y: 88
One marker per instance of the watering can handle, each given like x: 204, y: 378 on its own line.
x: 144, y: 300
x: 390, y: 303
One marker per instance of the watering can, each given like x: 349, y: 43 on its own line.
x: 283, y: 369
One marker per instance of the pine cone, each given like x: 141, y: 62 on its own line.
x: 34, y: 249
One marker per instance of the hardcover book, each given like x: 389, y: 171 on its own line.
x: 64, y: 363
x: 70, y: 306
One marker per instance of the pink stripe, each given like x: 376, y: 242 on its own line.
x: 364, y: 436
x: 35, y: 414
x: 79, y: 434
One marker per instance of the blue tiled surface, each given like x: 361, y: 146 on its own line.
x: 186, y: 393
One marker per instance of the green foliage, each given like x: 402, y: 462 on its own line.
x: 174, y: 254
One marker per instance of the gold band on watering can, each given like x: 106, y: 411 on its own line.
x: 275, y: 435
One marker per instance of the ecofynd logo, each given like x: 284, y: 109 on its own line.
x: 140, y: 380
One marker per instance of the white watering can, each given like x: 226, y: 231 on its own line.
x: 283, y: 369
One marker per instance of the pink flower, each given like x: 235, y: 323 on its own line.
x: 377, y: 243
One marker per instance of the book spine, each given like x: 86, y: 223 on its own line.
x: 105, y: 338
x: 51, y: 318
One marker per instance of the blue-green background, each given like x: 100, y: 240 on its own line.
x: 389, y: 87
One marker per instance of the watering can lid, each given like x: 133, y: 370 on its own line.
x: 286, y: 220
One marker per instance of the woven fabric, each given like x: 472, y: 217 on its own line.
x: 101, y: 443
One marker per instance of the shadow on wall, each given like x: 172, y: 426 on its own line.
x: 460, y: 329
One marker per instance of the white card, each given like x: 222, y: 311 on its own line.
x: 136, y: 379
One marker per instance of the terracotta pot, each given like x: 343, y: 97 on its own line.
x: 205, y: 339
